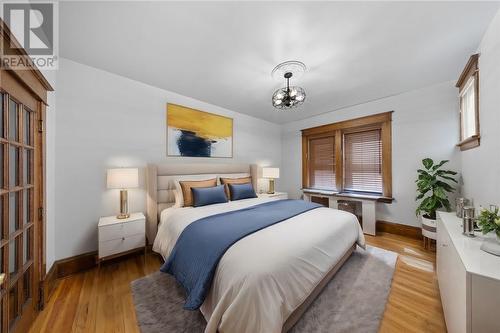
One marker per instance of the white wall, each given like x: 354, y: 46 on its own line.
x: 50, y: 170
x: 425, y: 124
x: 105, y: 120
x: 481, y: 165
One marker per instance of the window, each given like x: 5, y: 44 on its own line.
x: 468, y: 85
x: 363, y: 161
x: 322, y: 165
x: 352, y: 156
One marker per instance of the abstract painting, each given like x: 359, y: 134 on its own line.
x: 196, y: 133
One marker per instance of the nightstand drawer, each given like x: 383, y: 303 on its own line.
x: 115, y: 246
x: 276, y: 195
x: 120, y: 230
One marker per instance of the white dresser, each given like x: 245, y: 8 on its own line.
x: 469, y: 279
x: 121, y: 236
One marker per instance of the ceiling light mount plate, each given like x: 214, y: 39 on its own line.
x: 296, y: 68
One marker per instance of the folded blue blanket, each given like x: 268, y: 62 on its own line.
x: 202, y: 244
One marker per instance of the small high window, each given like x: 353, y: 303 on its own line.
x: 468, y: 85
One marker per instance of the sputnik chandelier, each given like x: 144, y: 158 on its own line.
x: 288, y: 97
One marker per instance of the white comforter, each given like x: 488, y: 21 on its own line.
x: 265, y: 276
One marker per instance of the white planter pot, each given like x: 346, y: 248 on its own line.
x: 428, y: 228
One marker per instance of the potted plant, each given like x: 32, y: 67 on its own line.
x: 489, y: 221
x: 433, y: 186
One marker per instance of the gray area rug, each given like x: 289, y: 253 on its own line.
x: 353, y: 301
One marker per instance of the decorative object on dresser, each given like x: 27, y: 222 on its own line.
x: 271, y: 174
x: 196, y: 133
x: 468, y: 221
x: 469, y: 279
x: 489, y: 222
x: 460, y: 203
x: 432, y: 187
x: 123, y: 179
x: 276, y: 195
x: 118, y: 237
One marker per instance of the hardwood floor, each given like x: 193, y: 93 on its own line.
x: 414, y: 304
x: 100, y: 301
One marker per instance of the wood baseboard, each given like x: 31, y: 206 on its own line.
x: 76, y: 264
x: 399, y: 229
x: 64, y: 267
x: 49, y: 283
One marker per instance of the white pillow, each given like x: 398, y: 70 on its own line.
x: 179, y: 198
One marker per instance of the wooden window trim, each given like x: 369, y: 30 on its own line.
x: 352, y: 123
x: 380, y: 121
x: 471, y: 70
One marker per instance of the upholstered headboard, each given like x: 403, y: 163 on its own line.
x: 161, y: 186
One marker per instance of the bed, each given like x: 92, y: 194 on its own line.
x: 266, y: 280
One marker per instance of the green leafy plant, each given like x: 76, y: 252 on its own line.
x: 433, y: 186
x: 489, y: 221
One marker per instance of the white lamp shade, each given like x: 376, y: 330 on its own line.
x: 123, y: 178
x: 271, y: 173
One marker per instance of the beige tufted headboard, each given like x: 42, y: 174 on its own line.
x: 160, y: 185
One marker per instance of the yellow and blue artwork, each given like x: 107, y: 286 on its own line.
x: 195, y: 133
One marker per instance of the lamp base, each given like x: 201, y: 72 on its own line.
x: 123, y: 205
x: 271, y: 186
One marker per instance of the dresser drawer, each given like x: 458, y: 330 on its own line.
x: 115, y: 246
x: 121, y: 230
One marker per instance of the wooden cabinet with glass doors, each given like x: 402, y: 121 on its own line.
x: 23, y: 101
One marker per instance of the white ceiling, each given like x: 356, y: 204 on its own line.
x: 223, y: 52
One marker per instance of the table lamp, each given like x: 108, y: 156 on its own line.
x: 272, y: 174
x: 123, y: 179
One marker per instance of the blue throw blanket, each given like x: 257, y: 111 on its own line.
x: 202, y: 243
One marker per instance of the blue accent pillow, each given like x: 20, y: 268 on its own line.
x: 241, y: 191
x: 203, y: 196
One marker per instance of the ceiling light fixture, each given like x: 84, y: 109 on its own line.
x: 290, y: 96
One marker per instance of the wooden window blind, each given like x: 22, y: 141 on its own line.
x: 322, y: 163
x: 363, y: 161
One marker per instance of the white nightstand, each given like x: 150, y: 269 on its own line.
x: 276, y: 195
x: 118, y: 237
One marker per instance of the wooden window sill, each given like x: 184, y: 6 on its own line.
x: 361, y: 196
x: 317, y: 191
x: 469, y: 143
x: 364, y: 196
